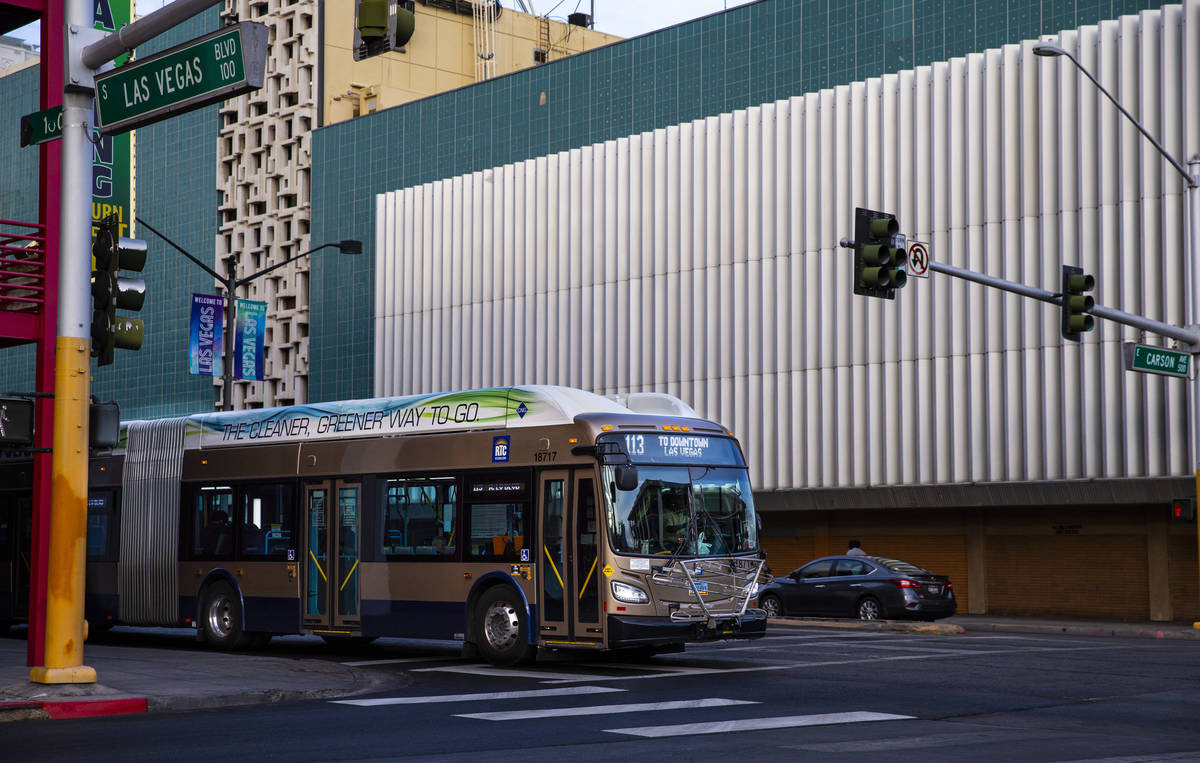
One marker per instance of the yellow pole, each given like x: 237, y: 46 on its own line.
x: 65, y: 628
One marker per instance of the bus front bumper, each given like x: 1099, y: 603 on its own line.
x: 631, y: 631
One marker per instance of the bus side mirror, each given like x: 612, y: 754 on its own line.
x: 627, y: 477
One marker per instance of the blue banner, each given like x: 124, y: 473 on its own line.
x: 248, y: 349
x: 205, y: 348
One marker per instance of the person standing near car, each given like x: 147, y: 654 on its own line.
x: 855, y: 549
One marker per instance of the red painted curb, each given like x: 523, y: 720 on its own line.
x: 88, y: 709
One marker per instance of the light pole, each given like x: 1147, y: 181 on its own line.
x: 230, y: 285
x: 1191, y: 253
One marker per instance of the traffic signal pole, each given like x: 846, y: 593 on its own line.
x: 64, y: 627
x: 1189, y: 336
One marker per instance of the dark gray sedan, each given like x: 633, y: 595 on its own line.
x: 866, y: 587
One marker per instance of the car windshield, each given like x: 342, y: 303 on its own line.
x: 904, y: 568
x: 695, y: 511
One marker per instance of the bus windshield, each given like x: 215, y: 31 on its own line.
x: 682, y: 510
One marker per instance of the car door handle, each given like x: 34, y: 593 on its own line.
x: 856, y: 585
x: 819, y: 585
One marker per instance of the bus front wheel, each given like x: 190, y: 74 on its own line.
x: 502, y: 628
x: 221, y: 616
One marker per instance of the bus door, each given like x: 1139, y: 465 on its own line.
x: 569, y: 591
x: 331, y: 596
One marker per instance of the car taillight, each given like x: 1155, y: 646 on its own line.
x: 905, y: 583
x: 949, y: 586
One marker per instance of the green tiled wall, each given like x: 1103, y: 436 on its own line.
x: 176, y: 192
x: 750, y: 55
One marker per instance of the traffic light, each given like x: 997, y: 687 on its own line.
x: 113, y: 253
x: 879, y: 254
x: 1183, y: 509
x: 382, y: 25
x: 1076, y: 304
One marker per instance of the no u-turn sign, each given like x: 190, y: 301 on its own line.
x: 918, y: 259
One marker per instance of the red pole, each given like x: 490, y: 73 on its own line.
x: 49, y: 182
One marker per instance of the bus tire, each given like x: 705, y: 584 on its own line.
x: 502, y: 628
x: 221, y: 618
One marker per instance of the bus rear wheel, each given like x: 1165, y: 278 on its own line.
x: 221, y: 618
x: 502, y: 628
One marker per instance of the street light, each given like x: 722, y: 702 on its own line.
x: 230, y: 285
x: 1192, y: 253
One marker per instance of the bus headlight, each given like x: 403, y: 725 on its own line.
x: 628, y: 593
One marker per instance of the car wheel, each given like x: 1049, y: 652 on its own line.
x: 502, y: 629
x: 868, y: 609
x: 771, y: 605
x: 221, y: 617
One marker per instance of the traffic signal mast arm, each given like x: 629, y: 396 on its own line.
x: 1189, y: 336
x: 144, y: 29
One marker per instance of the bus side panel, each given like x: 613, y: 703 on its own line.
x: 272, y: 614
x: 414, y: 619
x: 269, y: 591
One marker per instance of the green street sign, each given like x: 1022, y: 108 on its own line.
x: 41, y: 126
x: 211, y: 68
x: 1156, y: 360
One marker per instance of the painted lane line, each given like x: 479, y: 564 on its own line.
x: 439, y: 698
x: 481, y: 670
x: 683, y: 670
x: 642, y: 707
x: 758, y: 724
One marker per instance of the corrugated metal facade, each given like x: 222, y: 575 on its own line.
x: 702, y: 260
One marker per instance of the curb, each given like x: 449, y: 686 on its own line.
x: 77, y: 706
x: 889, y: 626
x: 21, y: 711
x: 1129, y: 631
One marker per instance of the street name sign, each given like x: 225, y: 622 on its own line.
x: 41, y: 126
x: 1156, y: 360
x: 205, y: 70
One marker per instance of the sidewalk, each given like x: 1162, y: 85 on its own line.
x: 133, y: 679
x: 138, y: 679
x: 996, y: 624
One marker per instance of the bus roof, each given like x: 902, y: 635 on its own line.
x: 495, y: 408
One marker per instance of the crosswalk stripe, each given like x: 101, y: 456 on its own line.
x: 758, y: 724
x: 558, y: 712
x: 435, y: 698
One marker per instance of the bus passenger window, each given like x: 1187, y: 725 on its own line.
x: 418, y: 517
x: 266, y: 521
x: 498, y: 530
x: 211, y: 529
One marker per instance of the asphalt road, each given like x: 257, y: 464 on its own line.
x: 804, y: 694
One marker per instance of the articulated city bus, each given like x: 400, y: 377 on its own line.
x: 510, y: 519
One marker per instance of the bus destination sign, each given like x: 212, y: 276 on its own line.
x: 211, y: 68
x: 680, y: 447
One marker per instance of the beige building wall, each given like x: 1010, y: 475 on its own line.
x: 440, y: 56
x: 264, y: 149
x: 264, y: 160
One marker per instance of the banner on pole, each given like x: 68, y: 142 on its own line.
x: 248, y: 352
x: 205, y: 348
